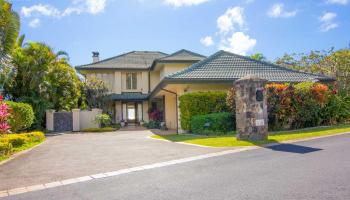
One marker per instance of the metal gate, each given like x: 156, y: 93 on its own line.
x: 63, y: 121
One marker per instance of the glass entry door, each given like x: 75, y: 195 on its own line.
x: 131, y: 112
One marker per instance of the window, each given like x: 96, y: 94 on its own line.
x: 131, y: 81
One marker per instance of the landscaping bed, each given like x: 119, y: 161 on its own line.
x: 99, y: 130
x: 274, y: 137
x: 13, y: 143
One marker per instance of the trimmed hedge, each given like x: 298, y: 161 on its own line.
x: 22, y: 116
x: 11, y: 143
x: 99, y: 130
x: 201, y: 103
x: 213, y: 124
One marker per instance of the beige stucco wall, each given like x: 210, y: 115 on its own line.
x: 116, y: 80
x: 170, y: 111
x: 87, y: 118
x: 155, y: 79
x: 169, y: 68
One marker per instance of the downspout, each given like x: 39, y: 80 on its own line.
x: 177, y: 114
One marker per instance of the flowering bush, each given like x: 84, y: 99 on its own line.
x: 4, y: 114
x: 305, y: 104
x: 155, y: 115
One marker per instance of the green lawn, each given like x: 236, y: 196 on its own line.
x: 231, y: 140
x: 19, y: 149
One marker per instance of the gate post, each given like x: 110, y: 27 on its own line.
x: 251, y: 108
x: 49, y: 119
x: 76, y: 119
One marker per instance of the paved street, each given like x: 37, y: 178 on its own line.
x: 74, y: 155
x: 316, y: 169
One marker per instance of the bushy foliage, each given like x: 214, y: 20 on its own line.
x: 4, y: 114
x: 213, y: 124
x: 201, y: 103
x: 44, y: 79
x: 10, y: 142
x: 306, y: 104
x: 94, y: 93
x: 103, y: 119
x: 21, y: 117
x: 152, y: 124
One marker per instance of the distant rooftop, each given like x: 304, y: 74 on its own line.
x: 130, y: 60
x: 142, y: 60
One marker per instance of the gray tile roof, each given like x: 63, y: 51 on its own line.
x: 128, y: 96
x: 130, y: 60
x: 182, y: 55
x: 226, y: 66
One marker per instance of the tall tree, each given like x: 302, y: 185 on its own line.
x: 43, y: 79
x: 9, y: 28
x: 258, y: 56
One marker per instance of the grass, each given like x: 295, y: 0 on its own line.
x: 20, y: 148
x: 99, y: 130
x: 274, y: 137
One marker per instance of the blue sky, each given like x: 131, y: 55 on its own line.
x: 272, y: 27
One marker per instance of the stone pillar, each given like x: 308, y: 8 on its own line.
x: 76, y: 119
x: 251, y: 108
x: 49, y: 120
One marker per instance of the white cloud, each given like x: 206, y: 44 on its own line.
x: 40, y: 9
x: 341, y: 2
x: 180, y: 3
x: 95, y: 6
x: 231, y: 20
x: 327, y: 21
x: 34, y: 23
x: 207, y: 41
x: 77, y: 7
x: 277, y: 10
x: 238, y: 43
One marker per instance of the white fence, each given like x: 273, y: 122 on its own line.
x: 81, y: 119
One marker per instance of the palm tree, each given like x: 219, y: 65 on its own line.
x: 9, y: 29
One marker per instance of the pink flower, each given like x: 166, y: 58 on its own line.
x: 4, y: 127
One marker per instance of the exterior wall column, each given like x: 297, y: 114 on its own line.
x: 145, y: 111
x: 49, y: 119
x: 76, y: 119
x: 179, y: 129
x: 118, y: 111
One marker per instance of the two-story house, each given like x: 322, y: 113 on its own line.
x: 142, y: 81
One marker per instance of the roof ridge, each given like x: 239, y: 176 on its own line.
x: 195, y: 65
x: 272, y: 64
x: 183, y: 50
x: 117, y: 56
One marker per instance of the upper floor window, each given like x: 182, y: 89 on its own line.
x: 131, y: 81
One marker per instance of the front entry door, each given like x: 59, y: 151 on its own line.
x: 131, y: 112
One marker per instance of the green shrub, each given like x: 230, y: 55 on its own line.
x: 22, y: 116
x: 36, y: 136
x: 103, y: 119
x: 99, y: 130
x: 201, y: 103
x: 213, y: 124
x: 5, y: 149
x: 16, y: 140
x: 152, y: 124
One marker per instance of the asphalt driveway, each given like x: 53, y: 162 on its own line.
x: 74, y: 155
